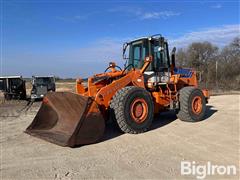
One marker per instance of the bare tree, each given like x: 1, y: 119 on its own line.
x: 206, y: 58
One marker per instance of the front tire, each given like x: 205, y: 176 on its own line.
x: 133, y: 109
x: 192, y: 104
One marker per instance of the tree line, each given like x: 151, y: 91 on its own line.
x: 218, y: 68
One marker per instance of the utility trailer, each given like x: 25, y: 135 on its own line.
x: 13, y: 87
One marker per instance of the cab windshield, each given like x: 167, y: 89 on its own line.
x: 16, y: 82
x: 161, y: 59
x: 43, y: 80
x: 139, y: 50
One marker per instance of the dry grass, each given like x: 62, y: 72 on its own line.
x: 65, y: 86
x: 221, y: 92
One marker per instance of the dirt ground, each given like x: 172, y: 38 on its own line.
x: 155, y: 154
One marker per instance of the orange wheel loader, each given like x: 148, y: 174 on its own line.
x: 148, y: 84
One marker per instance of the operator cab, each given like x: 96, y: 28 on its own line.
x: 41, y: 85
x: 155, y: 46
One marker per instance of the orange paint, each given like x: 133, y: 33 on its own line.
x: 102, y: 87
x: 139, y: 110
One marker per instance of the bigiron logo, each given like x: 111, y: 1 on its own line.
x: 208, y: 169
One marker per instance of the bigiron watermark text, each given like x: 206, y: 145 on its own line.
x: 201, y: 171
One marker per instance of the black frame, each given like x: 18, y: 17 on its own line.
x: 149, y: 43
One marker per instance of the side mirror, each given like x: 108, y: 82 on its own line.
x: 173, y: 56
x: 125, y: 45
x: 174, y: 50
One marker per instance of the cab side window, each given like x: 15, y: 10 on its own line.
x: 136, y: 55
x: 139, y: 50
x: 160, y: 58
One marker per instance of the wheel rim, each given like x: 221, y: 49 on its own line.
x: 197, y: 105
x: 139, y: 110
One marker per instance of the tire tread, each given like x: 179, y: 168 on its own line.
x: 117, y: 105
x: 184, y: 112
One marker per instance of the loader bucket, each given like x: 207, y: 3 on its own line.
x: 68, y: 119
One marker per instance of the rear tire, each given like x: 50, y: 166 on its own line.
x: 133, y: 109
x: 192, y: 104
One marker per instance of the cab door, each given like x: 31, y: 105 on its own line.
x: 138, y: 52
x: 160, y: 57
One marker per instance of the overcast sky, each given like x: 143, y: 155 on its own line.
x: 79, y: 38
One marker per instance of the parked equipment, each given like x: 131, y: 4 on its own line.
x: 41, y: 85
x: 148, y: 84
x: 13, y: 87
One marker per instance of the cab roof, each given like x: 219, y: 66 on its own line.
x: 10, y: 77
x: 155, y: 37
x: 43, y: 76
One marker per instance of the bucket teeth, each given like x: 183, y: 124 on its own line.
x: 68, y: 119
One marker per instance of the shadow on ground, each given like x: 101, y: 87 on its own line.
x: 209, y: 112
x: 162, y: 119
